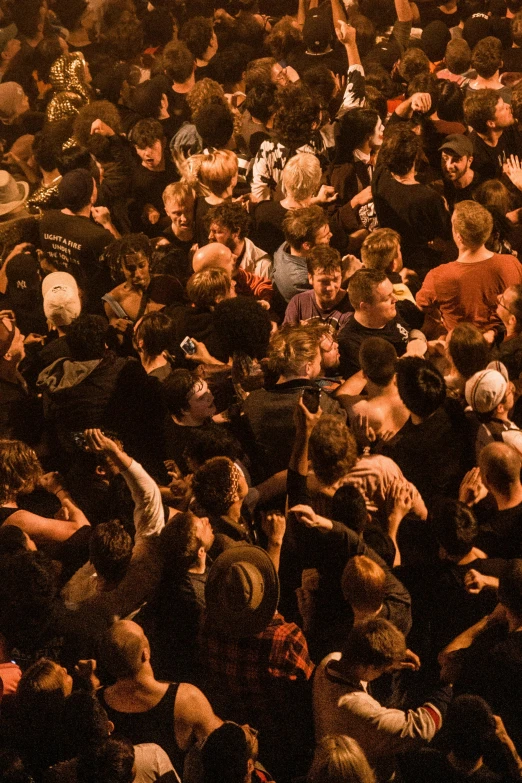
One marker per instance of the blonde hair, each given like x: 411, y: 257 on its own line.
x: 291, y: 349
x: 302, y: 176
x: 180, y: 192
x: 340, y: 759
x: 204, y: 92
x: 205, y: 287
x: 380, y: 248
x: 473, y: 223
x: 212, y: 172
x: 19, y: 469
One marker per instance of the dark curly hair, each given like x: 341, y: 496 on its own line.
x: 296, y: 114
x: 243, y: 326
x: 197, y: 34
x: 86, y: 337
x: 400, y: 150
x: 19, y: 469
x: 97, y: 110
x: 120, y: 249
x: 215, y: 485
x: 486, y: 57
x: 230, y: 216
x: 333, y: 450
x: 284, y: 39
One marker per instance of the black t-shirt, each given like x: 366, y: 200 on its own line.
x: 268, y: 231
x: 353, y: 334
x: 435, y: 454
x: 512, y: 59
x: 501, y: 536
x: 147, y: 188
x: 178, y: 437
x: 432, y: 766
x: 453, y: 195
x: 416, y: 212
x: 75, y: 244
x: 488, y: 161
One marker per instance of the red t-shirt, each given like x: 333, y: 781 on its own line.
x: 468, y: 292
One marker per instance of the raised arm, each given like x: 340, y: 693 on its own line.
x: 149, y: 517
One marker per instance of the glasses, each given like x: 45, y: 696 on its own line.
x: 500, y: 300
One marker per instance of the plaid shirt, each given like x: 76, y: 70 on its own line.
x: 249, y: 669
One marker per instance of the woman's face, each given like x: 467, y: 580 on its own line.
x: 378, y: 133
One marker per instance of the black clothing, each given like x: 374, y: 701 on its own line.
x: 178, y: 437
x: 432, y: 766
x: 501, y: 535
x: 335, y: 60
x: 509, y: 352
x: 155, y: 725
x: 75, y: 244
x: 512, y: 60
x: 269, y: 416
x: 353, y: 334
x: 197, y: 322
x: 453, y: 195
x: 268, y: 225
x: 20, y: 412
x: 435, y: 454
x: 488, y: 161
x: 416, y: 212
x: 147, y: 188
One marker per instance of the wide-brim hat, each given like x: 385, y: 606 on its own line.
x: 241, y: 592
x: 12, y: 193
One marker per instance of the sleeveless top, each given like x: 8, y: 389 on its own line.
x: 6, y: 512
x: 154, y: 725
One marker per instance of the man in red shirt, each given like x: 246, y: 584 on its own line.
x: 467, y: 289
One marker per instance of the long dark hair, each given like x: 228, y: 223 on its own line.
x: 352, y: 131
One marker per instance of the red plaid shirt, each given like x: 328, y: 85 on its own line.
x: 248, y: 669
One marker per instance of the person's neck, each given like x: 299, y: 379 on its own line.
x: 85, y: 212
x: 50, y: 177
x: 33, y: 42
x: 374, y: 390
x: 514, y: 498
x: 467, y: 768
x: 291, y: 203
x: 406, y: 179
x: 491, y: 137
x: 366, y: 320
x: 79, y: 37
x: 188, y: 420
x: 298, y: 253
x: 366, y: 148
x: 472, y: 256
x: 465, y: 180
x: 9, y: 370
x: 184, y: 87
x: 491, y: 83
x: 512, y: 331
x: 144, y: 680
x: 234, y: 512
x: 239, y: 248
x: 286, y: 378
x: 200, y: 566
x: 330, y: 305
x: 151, y: 363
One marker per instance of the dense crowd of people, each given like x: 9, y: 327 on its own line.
x: 260, y: 391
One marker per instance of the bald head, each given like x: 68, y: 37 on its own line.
x: 123, y: 649
x: 500, y: 467
x: 214, y: 254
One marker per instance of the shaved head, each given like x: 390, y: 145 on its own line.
x: 500, y: 467
x: 123, y: 648
x: 214, y: 254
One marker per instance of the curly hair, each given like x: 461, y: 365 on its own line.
x: 121, y: 249
x: 297, y: 113
x: 284, y: 38
x: 19, y: 469
x: 333, y: 450
x: 400, y: 150
x: 197, y: 34
x: 97, y: 110
x: 121, y: 30
x: 215, y: 485
x: 486, y: 57
x: 242, y: 326
x: 204, y: 92
x: 231, y: 216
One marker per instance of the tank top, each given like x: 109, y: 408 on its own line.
x: 154, y: 725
